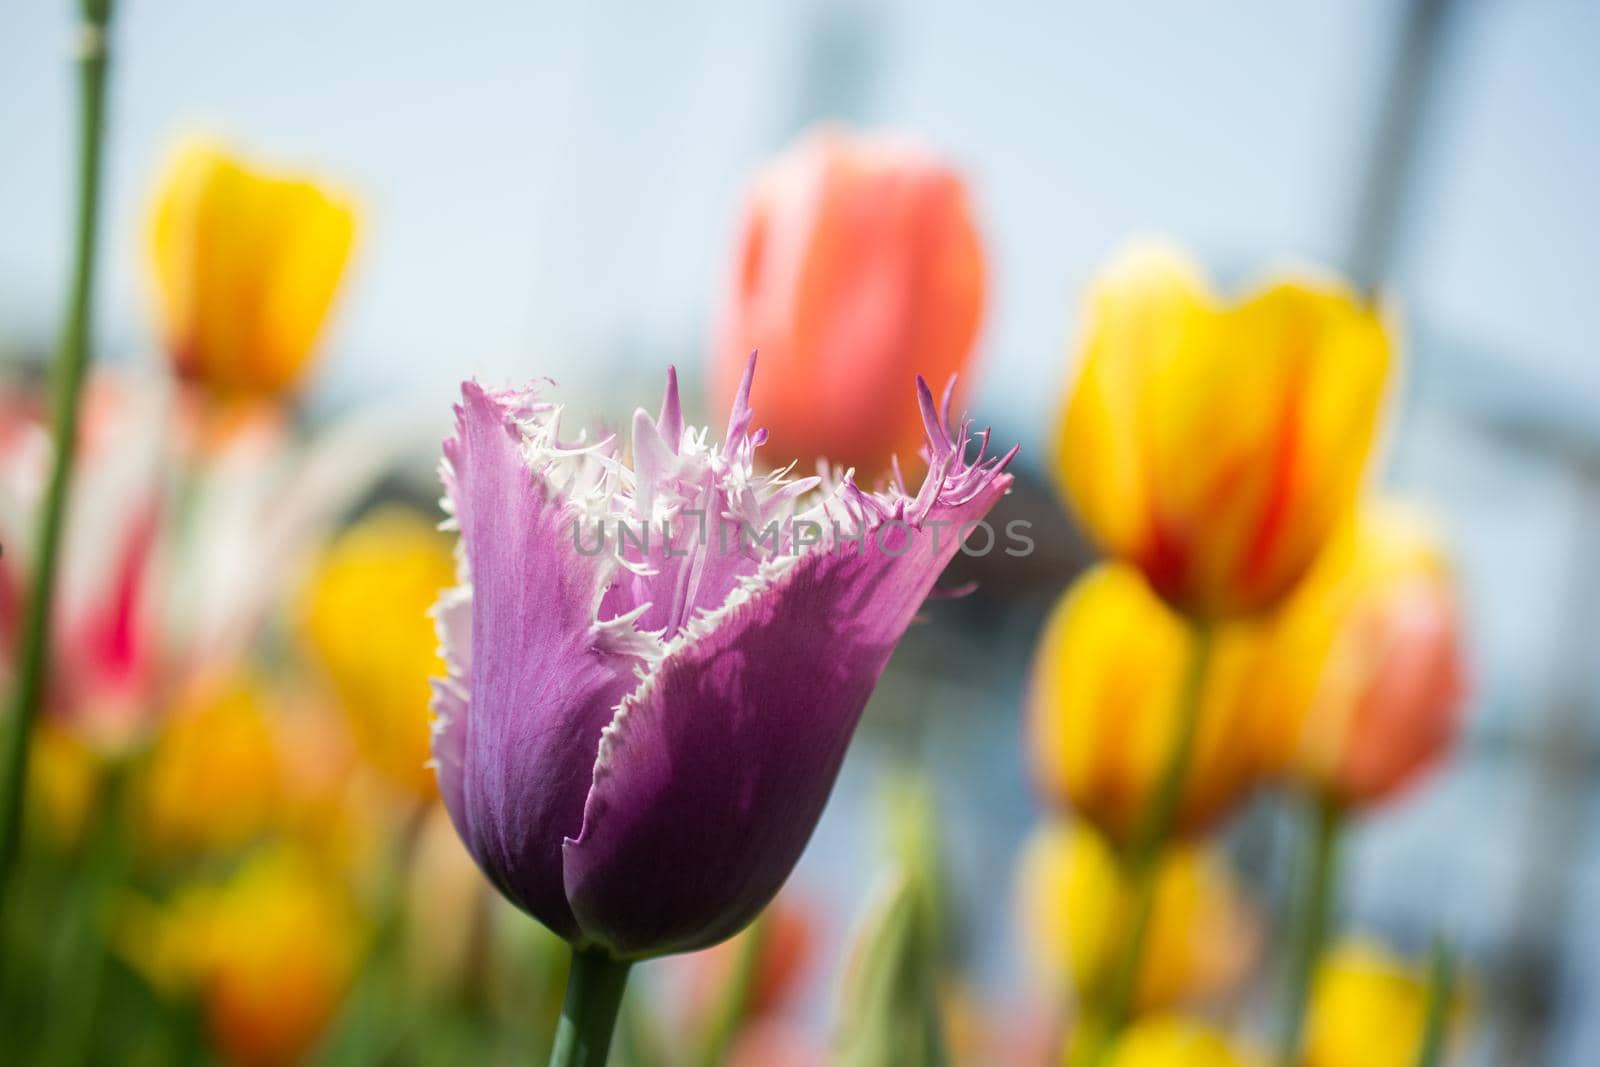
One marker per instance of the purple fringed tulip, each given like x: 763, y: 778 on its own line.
x: 635, y: 743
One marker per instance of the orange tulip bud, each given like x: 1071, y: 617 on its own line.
x: 1361, y: 687
x: 1104, y: 706
x: 246, y: 264
x: 858, y: 267
x: 1216, y: 445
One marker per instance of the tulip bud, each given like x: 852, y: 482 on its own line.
x: 246, y: 264
x: 1170, y: 1041
x: 1076, y: 903
x: 365, y: 619
x: 858, y: 267
x: 1368, y: 1009
x: 889, y: 995
x: 213, y: 780
x: 1361, y: 686
x: 1214, y: 445
x: 1103, y: 707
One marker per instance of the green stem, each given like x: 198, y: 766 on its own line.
x: 1143, y: 860
x: 71, y: 361
x: 736, y: 998
x: 1441, y: 987
x: 589, y: 1015
x: 1311, y: 933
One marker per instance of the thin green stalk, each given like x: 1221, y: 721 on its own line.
x: 736, y: 997
x: 72, y: 360
x: 1441, y: 989
x: 71, y: 1024
x: 1144, y: 855
x: 589, y: 1015
x: 1311, y: 924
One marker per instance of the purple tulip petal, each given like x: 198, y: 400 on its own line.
x: 713, y: 773
x: 516, y: 757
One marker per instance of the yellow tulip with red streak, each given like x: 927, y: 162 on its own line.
x: 1360, y: 691
x: 1103, y: 707
x: 1215, y: 444
x: 247, y: 263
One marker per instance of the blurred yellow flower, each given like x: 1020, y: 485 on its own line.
x: 1170, y: 1041
x: 246, y: 264
x: 270, y: 953
x: 1212, y: 444
x: 214, y: 775
x: 1360, y: 688
x: 63, y: 781
x: 1104, y: 706
x: 1076, y: 903
x: 1368, y: 1009
x: 366, y: 620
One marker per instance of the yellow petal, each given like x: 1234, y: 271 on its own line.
x: 1172, y: 1041
x: 366, y: 622
x: 1141, y: 314
x: 1368, y: 1009
x: 1076, y: 902
x: 1103, y: 705
x: 246, y: 265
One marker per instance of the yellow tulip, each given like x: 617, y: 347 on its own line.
x: 1104, y: 706
x: 1076, y: 903
x: 246, y: 264
x: 366, y: 622
x: 1360, y: 687
x: 270, y: 953
x: 214, y: 774
x: 1215, y: 445
x: 1368, y: 1009
x: 63, y: 782
x: 1169, y: 1041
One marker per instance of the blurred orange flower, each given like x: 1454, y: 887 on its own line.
x: 788, y: 936
x: 213, y: 780
x: 365, y: 613
x: 1361, y: 687
x: 246, y: 264
x: 1076, y: 902
x: 270, y: 952
x: 858, y: 266
x: 1104, y: 706
x: 1216, y: 445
